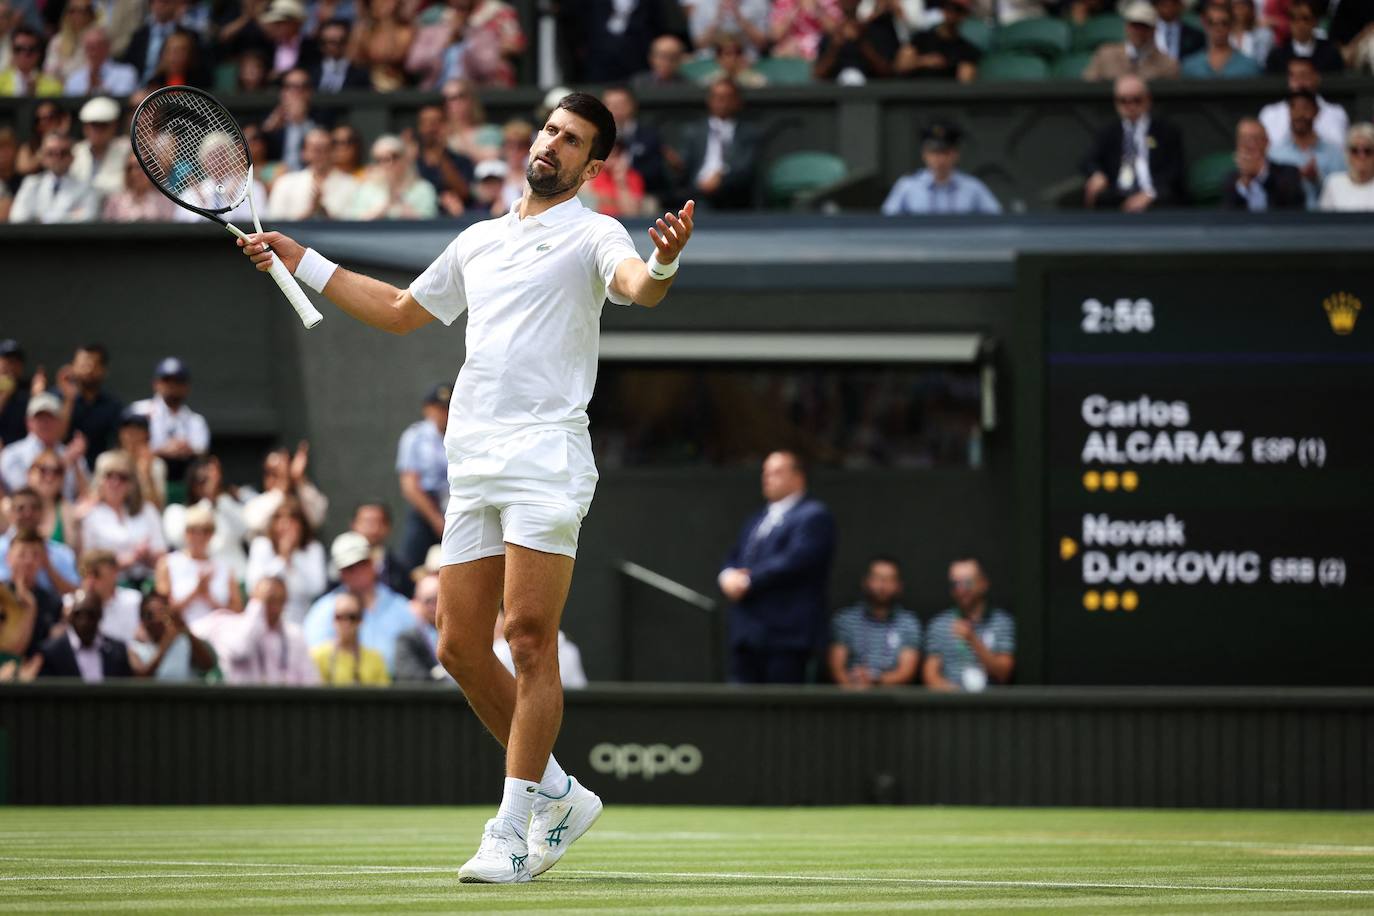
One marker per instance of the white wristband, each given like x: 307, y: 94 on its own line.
x: 661, y: 271
x: 315, y: 269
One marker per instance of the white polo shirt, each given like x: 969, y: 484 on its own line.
x: 533, y: 290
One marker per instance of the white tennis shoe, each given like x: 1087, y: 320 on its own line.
x: 500, y: 859
x: 557, y: 823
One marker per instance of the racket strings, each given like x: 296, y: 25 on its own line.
x: 191, y: 147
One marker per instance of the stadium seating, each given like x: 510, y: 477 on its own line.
x: 977, y: 33
x: 784, y: 71
x: 1205, y: 177
x: 1099, y: 30
x: 697, y: 70
x: 1070, y: 66
x: 1011, y: 66
x: 793, y: 175
x: 1043, y: 36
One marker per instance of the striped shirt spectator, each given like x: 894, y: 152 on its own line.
x: 876, y: 642
x: 969, y: 645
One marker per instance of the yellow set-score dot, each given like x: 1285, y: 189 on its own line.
x: 1110, y: 481
x: 1110, y: 600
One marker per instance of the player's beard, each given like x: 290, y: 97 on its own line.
x: 549, y: 185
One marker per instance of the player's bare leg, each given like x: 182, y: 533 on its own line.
x: 536, y: 589
x: 469, y: 600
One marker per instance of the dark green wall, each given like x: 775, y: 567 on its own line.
x: 151, y: 744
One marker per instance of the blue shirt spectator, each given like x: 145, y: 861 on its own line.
x: 939, y: 187
x: 1231, y: 63
x: 422, y: 466
x: 26, y: 512
x: 1304, y: 148
x: 970, y: 645
x: 386, y: 615
x: 921, y: 193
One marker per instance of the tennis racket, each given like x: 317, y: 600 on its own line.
x: 192, y: 150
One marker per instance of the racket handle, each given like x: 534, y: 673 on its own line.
x: 310, y: 316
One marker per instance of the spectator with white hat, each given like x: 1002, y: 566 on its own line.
x: 1137, y: 54
x: 44, y: 422
x: 99, y: 159
x: 100, y: 74
x: 291, y: 49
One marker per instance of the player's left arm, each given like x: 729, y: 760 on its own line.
x: 670, y: 234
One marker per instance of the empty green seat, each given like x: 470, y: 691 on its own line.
x: 1043, y: 35
x: 697, y: 70
x: 1071, y: 66
x: 1099, y: 30
x: 1009, y: 66
x: 977, y: 32
x: 797, y: 173
x: 784, y: 71
x: 227, y: 76
x: 1207, y: 176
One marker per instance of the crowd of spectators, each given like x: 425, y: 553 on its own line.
x: 124, y: 552
x: 451, y: 160
x: 776, y: 577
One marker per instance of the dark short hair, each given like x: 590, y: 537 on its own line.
x: 148, y: 599
x: 590, y: 108
x: 89, y: 602
x: 30, y: 32
x: 885, y: 558
x: 1305, y: 4
x: 1307, y: 94
x: 1303, y: 61
x: 98, y: 349
x: 372, y: 504
x: 27, y: 492
x: 337, y: 23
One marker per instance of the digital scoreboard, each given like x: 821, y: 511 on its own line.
x: 1209, y: 473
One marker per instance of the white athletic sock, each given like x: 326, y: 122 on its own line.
x: 555, y: 783
x: 516, y: 803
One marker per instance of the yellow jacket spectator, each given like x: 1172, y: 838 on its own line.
x: 343, y: 662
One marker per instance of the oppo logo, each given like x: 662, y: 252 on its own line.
x: 646, y: 761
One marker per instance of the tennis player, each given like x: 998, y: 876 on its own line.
x: 521, y: 473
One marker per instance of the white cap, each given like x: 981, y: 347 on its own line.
x: 282, y: 10
x: 490, y: 168
x: 349, y: 548
x: 1141, y: 13
x: 99, y: 110
x: 44, y: 402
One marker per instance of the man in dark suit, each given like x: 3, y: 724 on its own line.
x: 1136, y: 162
x: 640, y: 140
x: 145, y: 47
x: 777, y: 578
x: 415, y: 656
x: 1175, y: 37
x: 1304, y: 42
x: 334, y: 72
x: 720, y: 154
x: 82, y: 651
x: 1256, y: 184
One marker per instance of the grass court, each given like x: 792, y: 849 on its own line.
x: 698, y: 860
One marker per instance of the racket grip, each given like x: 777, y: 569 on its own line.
x: 310, y: 316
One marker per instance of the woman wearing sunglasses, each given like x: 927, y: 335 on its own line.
x: 1353, y: 189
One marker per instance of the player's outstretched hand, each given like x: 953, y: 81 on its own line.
x: 670, y: 234
x: 287, y: 249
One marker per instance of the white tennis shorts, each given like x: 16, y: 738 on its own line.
x: 532, y: 489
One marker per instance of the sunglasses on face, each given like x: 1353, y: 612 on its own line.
x: 962, y: 583
x: 1360, y: 150
x: 348, y: 618
x: 200, y: 530
x: 387, y: 157
x: 50, y: 470
x: 117, y: 476
x: 27, y: 49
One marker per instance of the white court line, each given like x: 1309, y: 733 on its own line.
x: 333, y: 871
x: 964, y: 882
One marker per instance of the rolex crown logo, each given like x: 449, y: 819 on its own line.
x: 1341, y: 310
